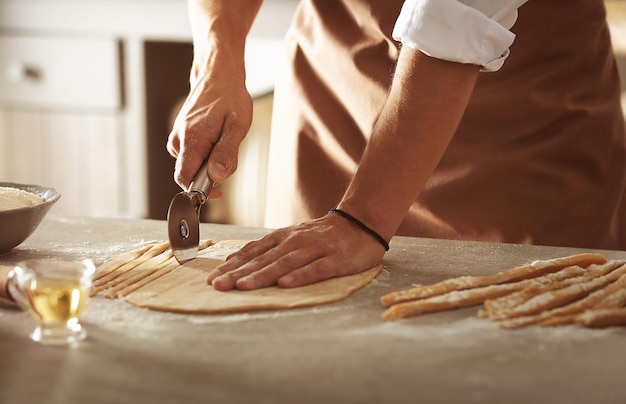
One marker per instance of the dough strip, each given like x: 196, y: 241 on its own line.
x: 112, y: 264
x: 139, y: 265
x: 470, y: 297
x: 496, y: 307
x: 145, y: 267
x: 559, y: 297
x: 126, y: 266
x: 567, y: 314
x: 602, y: 317
x: 532, y: 270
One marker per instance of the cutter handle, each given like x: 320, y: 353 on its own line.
x: 201, y: 182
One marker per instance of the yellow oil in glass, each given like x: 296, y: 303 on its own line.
x: 56, y: 301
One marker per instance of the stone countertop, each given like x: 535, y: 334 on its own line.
x: 337, y: 353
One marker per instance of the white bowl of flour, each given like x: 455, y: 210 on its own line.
x: 22, y: 207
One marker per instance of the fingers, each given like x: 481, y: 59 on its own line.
x: 292, y: 269
x: 210, y: 131
x: 190, y: 141
x: 315, y: 271
x: 241, y: 264
x: 298, y: 256
x: 173, y: 144
x: 264, y: 270
x: 188, y: 162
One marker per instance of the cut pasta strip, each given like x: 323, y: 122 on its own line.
x: 560, y: 297
x: 615, y: 299
x: 606, y: 297
x: 532, y: 270
x: 113, y: 272
x: 128, y: 271
x: 140, y: 272
x: 602, y: 317
x: 498, y: 309
x: 113, y: 263
x: 591, y: 294
x: 149, y: 274
x: 154, y: 263
x: 494, y: 306
x: 470, y: 297
x: 123, y: 292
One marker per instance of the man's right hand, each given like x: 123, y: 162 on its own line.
x: 212, y: 122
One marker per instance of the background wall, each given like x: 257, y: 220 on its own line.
x: 88, y: 89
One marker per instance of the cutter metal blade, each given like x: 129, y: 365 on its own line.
x: 183, y: 227
x: 183, y: 217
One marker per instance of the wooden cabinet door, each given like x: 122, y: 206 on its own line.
x: 77, y: 154
x: 60, y: 119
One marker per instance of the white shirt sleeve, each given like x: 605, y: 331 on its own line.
x: 464, y: 31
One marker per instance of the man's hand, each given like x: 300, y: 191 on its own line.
x: 213, y: 121
x: 299, y: 255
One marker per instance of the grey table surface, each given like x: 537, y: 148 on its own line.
x: 337, y: 353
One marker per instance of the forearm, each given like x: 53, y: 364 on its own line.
x: 219, y: 29
x: 426, y: 102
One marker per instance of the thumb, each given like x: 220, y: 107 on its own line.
x: 223, y: 158
x: 218, y: 170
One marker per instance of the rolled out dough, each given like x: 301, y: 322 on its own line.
x: 184, y: 290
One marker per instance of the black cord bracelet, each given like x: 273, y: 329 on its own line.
x: 361, y: 225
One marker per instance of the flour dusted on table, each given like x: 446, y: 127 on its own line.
x: 13, y: 198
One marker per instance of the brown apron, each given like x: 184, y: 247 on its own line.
x: 539, y: 157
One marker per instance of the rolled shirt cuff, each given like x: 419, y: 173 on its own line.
x: 451, y: 30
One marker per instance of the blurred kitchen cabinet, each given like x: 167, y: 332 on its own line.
x: 60, y: 100
x: 74, y: 153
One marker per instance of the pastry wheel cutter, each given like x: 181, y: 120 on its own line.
x: 183, y: 216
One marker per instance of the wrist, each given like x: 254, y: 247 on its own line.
x: 370, y: 217
x: 224, y: 64
x: 382, y: 241
x: 219, y: 31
